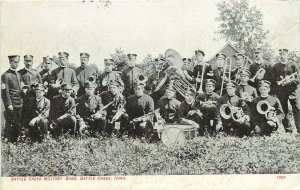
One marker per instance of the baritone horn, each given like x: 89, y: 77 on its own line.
x: 141, y: 78
x: 263, y: 107
x: 228, y: 111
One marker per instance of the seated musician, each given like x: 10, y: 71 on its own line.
x: 36, y: 113
x: 116, y: 118
x: 168, y: 105
x: 208, y: 101
x: 237, y: 123
x: 138, y: 105
x: 62, y: 111
x: 190, y: 111
x: 90, y: 114
x: 244, y: 90
x: 266, y: 125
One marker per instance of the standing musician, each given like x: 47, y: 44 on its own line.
x: 209, y: 101
x: 36, y: 113
x: 129, y: 75
x: 197, y: 71
x: 168, y: 105
x: 117, y: 102
x: 90, y: 110
x: 244, y: 90
x: 45, y: 73
x: 285, y: 88
x: 261, y: 118
x: 138, y: 105
x: 13, y: 102
x: 190, y: 111
x: 155, y: 76
x: 260, y: 69
x: 108, y: 75
x: 218, y: 72
x: 238, y: 121
x: 64, y: 74
x: 84, y: 73
x: 240, y: 64
x: 62, y: 111
x: 187, y: 68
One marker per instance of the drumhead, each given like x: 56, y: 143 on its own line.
x: 173, y: 136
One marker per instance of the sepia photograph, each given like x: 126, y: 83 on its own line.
x: 108, y: 89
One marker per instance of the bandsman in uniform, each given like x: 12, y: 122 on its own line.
x: 108, y: 75
x: 240, y: 64
x: 241, y: 125
x: 265, y: 68
x: 115, y: 102
x: 64, y: 74
x: 62, y: 111
x: 36, y: 113
x: 169, y: 105
x: 90, y: 110
x: 209, y: 101
x: 259, y: 121
x: 129, y: 75
x: 84, y: 73
x: 197, y: 71
x: 187, y: 68
x: 244, y: 90
x: 190, y: 111
x: 45, y: 74
x: 13, y: 102
x: 286, y: 91
x: 138, y: 105
x: 155, y: 76
x: 218, y: 72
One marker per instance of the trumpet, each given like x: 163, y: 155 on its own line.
x: 288, y: 79
x: 228, y: 111
x: 263, y: 107
x: 260, y: 71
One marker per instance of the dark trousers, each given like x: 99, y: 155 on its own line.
x: 13, y: 128
x: 236, y: 129
x: 265, y: 129
x: 39, y: 131
x: 65, y: 126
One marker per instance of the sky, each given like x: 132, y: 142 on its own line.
x: 44, y: 28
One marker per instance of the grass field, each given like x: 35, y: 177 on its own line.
x: 279, y: 153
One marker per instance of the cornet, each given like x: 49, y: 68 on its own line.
x: 260, y: 71
x: 288, y: 79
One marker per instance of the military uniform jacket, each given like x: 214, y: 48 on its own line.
x: 185, y: 108
x: 83, y: 74
x: 283, y: 70
x: 168, y: 109
x: 259, y: 119
x: 137, y: 106
x: 61, y: 105
x: 88, y: 105
x: 240, y: 89
x: 11, y: 89
x: 35, y: 107
x: 198, y: 71
x: 29, y: 77
x: 67, y: 74
x: 107, y: 97
x: 208, y: 97
x: 256, y: 66
x: 45, y: 75
x: 128, y: 76
x: 108, y: 76
x: 235, y: 101
x: 217, y: 76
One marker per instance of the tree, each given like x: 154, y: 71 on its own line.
x: 242, y: 25
x: 120, y: 59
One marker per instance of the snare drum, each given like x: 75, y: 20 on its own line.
x: 189, y: 131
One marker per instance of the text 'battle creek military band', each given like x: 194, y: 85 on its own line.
x: 234, y: 96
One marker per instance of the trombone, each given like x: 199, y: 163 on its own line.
x: 227, y: 66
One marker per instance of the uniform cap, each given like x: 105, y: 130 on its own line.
x: 199, y: 52
x: 137, y: 83
x: 63, y: 54
x: 40, y: 87
x: 90, y: 84
x: 84, y: 55
x: 190, y: 91
x: 66, y: 86
x: 47, y: 58
x: 231, y: 83
x: 10, y: 57
x: 28, y: 57
x: 109, y: 61
x: 131, y: 55
x: 264, y: 83
x: 238, y: 54
x: 221, y: 55
x: 186, y: 59
x: 245, y: 72
x: 210, y: 82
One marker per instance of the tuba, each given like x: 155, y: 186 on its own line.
x: 228, y: 111
x: 263, y: 107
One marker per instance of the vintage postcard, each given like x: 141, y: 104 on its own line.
x: 150, y: 94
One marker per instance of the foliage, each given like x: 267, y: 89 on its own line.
x: 125, y: 156
x: 120, y: 59
x: 242, y: 25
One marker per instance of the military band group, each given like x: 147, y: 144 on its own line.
x: 246, y: 100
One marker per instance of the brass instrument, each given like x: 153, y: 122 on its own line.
x: 288, y: 79
x: 228, y: 111
x: 263, y: 107
x: 92, y: 78
x: 142, y: 78
x: 259, y: 72
x: 180, y: 85
x: 146, y: 117
x: 227, y: 70
x: 246, y: 96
